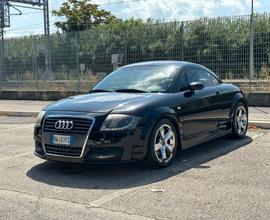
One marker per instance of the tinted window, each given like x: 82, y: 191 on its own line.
x: 183, y: 83
x: 206, y: 78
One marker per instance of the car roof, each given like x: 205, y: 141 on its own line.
x: 181, y: 64
x: 159, y: 63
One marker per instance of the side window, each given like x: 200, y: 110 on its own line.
x: 193, y: 76
x: 183, y: 83
x: 206, y: 78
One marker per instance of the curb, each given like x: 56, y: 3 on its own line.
x: 19, y: 114
x: 260, y: 124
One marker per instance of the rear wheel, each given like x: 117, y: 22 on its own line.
x: 162, y: 144
x: 240, y: 120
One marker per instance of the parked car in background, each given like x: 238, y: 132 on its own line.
x: 143, y: 111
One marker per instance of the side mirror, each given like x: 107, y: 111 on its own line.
x: 196, y: 86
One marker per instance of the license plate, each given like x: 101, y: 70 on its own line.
x: 61, y: 139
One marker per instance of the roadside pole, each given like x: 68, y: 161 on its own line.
x: 251, y: 47
x: 77, y: 60
x: 182, y: 40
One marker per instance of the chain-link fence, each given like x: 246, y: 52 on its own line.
x: 80, y: 59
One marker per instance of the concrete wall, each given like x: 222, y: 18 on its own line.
x: 254, y: 99
x: 258, y: 99
x: 36, y: 95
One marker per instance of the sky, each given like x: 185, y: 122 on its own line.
x: 31, y: 21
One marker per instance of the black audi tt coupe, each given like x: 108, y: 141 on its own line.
x: 144, y: 111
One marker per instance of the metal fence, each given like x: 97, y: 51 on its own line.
x: 80, y: 59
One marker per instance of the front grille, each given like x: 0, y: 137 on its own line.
x: 63, y: 150
x: 80, y: 125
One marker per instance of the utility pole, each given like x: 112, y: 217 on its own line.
x: 48, y: 60
x: 182, y: 40
x: 251, y: 46
x: 4, y: 22
x: 77, y: 60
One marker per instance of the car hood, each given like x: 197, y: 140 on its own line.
x: 102, y: 102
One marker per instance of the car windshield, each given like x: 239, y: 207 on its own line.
x: 139, y: 79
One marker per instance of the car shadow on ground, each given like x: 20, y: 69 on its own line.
x: 123, y: 176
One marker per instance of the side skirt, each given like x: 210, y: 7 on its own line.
x: 217, y: 135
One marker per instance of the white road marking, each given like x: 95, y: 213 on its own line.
x: 257, y: 135
x: 111, y: 197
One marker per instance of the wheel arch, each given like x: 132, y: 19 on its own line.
x: 238, y: 97
x: 164, y: 113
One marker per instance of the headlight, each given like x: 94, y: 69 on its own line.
x: 119, y: 122
x: 39, y: 118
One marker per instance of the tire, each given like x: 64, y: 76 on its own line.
x: 240, y: 121
x: 161, y: 152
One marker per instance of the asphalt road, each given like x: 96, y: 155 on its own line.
x: 223, y: 179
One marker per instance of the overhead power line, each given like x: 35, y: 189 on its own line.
x: 32, y: 13
x: 29, y: 26
x: 28, y: 7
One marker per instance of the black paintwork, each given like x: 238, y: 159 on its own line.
x: 199, y: 115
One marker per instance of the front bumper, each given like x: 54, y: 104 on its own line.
x: 100, y: 147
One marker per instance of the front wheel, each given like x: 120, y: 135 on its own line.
x: 162, y: 144
x: 240, y: 120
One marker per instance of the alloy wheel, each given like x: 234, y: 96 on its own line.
x: 241, y: 120
x: 165, y: 143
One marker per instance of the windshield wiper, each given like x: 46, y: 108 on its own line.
x: 99, y: 90
x: 131, y: 90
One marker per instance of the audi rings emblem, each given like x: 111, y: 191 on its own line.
x: 63, y: 125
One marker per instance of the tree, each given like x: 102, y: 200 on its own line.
x: 81, y: 15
